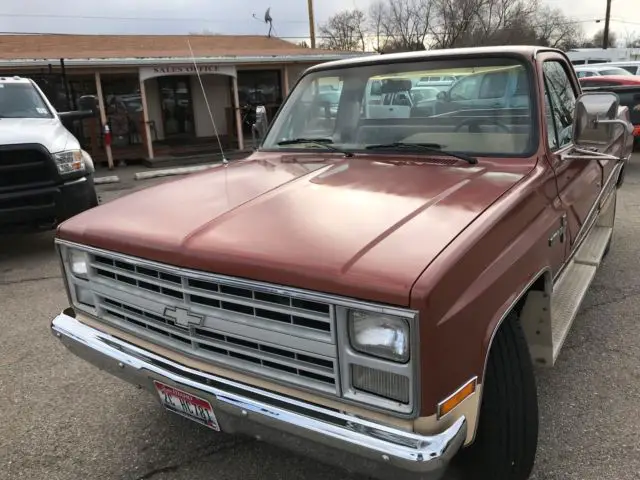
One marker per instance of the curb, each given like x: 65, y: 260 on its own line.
x: 105, y: 180
x: 173, y: 171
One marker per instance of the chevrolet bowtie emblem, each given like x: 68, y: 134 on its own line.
x: 183, y: 317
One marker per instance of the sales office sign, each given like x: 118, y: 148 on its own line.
x: 203, y: 69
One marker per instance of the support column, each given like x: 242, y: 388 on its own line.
x: 103, y: 118
x: 285, y: 81
x: 236, y: 106
x: 145, y: 118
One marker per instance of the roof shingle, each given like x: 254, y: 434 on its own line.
x: 36, y: 46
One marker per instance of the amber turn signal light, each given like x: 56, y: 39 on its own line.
x: 457, y: 398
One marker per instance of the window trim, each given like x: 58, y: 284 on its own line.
x: 551, y: 103
x: 524, y: 60
x: 553, y: 117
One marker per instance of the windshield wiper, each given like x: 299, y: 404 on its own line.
x: 323, y: 142
x: 426, y: 147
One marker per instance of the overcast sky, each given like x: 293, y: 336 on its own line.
x: 231, y: 16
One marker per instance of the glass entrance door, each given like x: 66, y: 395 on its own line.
x: 177, y: 106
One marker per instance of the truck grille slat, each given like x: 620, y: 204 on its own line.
x: 294, y: 313
x: 243, y: 326
x: 22, y: 166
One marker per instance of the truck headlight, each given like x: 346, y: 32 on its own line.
x: 379, y: 335
x: 69, y: 161
x: 78, y: 263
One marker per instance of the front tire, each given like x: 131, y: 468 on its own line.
x: 507, y: 436
x: 93, y: 193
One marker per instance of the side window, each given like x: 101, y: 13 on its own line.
x: 401, y: 99
x: 562, y: 101
x: 466, y: 89
x: 494, y: 85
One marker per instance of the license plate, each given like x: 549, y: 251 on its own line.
x: 188, y: 405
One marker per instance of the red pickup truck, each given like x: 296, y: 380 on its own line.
x: 377, y: 287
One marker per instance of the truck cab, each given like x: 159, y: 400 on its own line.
x: 45, y: 175
x: 371, y: 291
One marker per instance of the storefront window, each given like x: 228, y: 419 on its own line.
x: 258, y: 87
x: 123, y: 106
x: 177, y: 106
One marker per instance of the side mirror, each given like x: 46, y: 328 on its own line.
x: 596, y: 123
x: 87, y: 108
x: 259, y: 129
x: 442, y: 95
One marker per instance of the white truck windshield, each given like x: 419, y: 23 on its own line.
x: 22, y: 100
x: 486, y: 110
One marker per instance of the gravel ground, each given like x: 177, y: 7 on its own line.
x: 63, y: 419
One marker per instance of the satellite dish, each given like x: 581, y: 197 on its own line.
x: 268, y: 19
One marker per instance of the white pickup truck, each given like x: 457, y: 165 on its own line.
x: 45, y: 176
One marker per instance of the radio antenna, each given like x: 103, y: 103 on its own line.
x: 206, y: 101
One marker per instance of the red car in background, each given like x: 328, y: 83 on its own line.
x: 628, y: 89
x: 610, y: 80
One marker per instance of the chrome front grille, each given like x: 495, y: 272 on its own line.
x: 240, y: 324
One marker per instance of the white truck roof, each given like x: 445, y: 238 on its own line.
x: 14, y: 79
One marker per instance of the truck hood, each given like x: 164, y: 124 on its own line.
x: 48, y: 132
x: 362, y: 227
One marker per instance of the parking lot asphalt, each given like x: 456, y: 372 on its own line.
x: 62, y: 419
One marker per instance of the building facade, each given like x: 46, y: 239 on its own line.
x: 161, y: 95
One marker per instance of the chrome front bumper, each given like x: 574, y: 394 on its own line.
x: 327, y: 434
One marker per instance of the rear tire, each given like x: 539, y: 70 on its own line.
x: 507, y: 437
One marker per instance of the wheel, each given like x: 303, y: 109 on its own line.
x: 93, y: 196
x: 507, y: 436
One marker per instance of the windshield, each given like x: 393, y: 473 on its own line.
x: 22, y: 100
x: 485, y: 111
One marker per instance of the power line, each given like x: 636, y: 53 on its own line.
x: 626, y: 22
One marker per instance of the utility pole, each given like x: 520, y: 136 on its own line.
x: 605, y: 37
x: 312, y: 28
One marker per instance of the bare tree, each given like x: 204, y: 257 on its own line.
x: 402, y: 24
x: 462, y: 23
x: 598, y: 38
x: 454, y: 20
x: 554, y: 29
x: 377, y: 13
x: 344, y: 31
x: 504, y: 21
x: 631, y: 39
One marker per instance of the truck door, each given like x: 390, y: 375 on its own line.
x: 579, y: 181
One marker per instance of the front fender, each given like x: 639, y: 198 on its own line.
x: 466, y: 293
